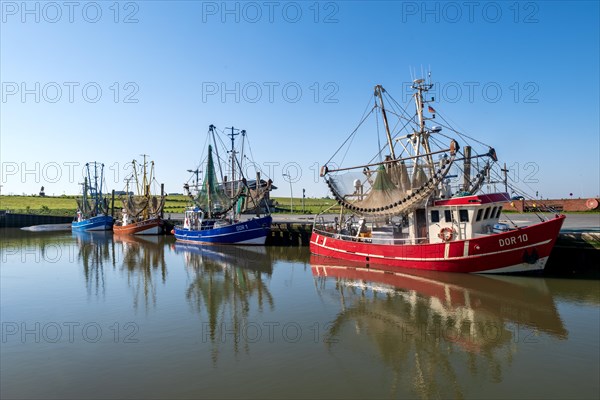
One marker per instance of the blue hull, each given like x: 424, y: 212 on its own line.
x: 99, y: 223
x: 254, y: 231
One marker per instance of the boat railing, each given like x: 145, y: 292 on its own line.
x: 329, y: 230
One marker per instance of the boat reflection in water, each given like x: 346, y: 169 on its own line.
x: 93, y: 250
x: 431, y: 327
x: 142, y: 257
x: 227, y: 283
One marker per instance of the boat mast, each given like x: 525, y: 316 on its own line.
x: 209, y: 181
x: 135, y: 176
x: 144, y: 178
x: 127, y: 186
x: 211, y: 129
x: 89, y: 181
x: 99, y: 190
x: 84, y: 200
x: 93, y: 189
x: 379, y: 93
x: 146, y: 188
x: 423, y: 134
x: 151, y: 177
x: 232, y: 135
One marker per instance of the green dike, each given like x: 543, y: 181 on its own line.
x: 66, y: 205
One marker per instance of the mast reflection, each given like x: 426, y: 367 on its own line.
x: 226, y: 282
x: 142, y: 258
x: 429, y: 327
x: 93, y: 250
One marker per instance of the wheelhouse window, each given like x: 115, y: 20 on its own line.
x: 499, y: 211
x: 479, y: 214
x: 448, y: 215
x: 487, y: 213
x: 493, y: 213
x: 463, y: 215
x: 435, y: 216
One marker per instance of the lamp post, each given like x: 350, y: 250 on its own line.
x: 291, y: 193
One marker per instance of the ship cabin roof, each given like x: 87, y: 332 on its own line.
x: 473, y: 200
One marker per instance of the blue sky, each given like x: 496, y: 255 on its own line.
x: 167, y: 70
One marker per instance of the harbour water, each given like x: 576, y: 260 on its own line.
x: 92, y: 315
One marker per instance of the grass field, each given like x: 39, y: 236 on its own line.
x: 66, y: 205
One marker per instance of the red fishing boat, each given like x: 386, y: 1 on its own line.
x: 411, y: 211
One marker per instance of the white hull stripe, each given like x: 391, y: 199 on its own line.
x: 259, y: 240
x: 523, y: 267
x: 223, y: 234
x: 99, y: 228
x: 152, y: 231
x: 434, y: 258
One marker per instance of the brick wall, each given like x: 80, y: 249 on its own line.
x: 560, y: 204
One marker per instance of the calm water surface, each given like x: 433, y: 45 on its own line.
x: 97, y: 316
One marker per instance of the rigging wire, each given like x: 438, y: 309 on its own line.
x: 365, y: 116
x: 463, y: 135
x: 252, y: 159
x: 395, y: 136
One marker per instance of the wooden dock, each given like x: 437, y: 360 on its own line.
x: 576, y: 254
x: 289, y: 234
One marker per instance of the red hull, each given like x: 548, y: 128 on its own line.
x: 521, y: 250
x: 148, y: 227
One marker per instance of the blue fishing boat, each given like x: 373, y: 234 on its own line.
x: 215, y: 214
x: 198, y: 229
x: 92, y: 212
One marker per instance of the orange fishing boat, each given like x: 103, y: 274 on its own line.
x: 141, y: 213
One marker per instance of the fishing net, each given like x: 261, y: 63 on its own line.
x: 146, y: 207
x: 217, y: 198
x: 389, y: 190
x: 135, y: 205
x: 256, y: 197
x: 84, y: 206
